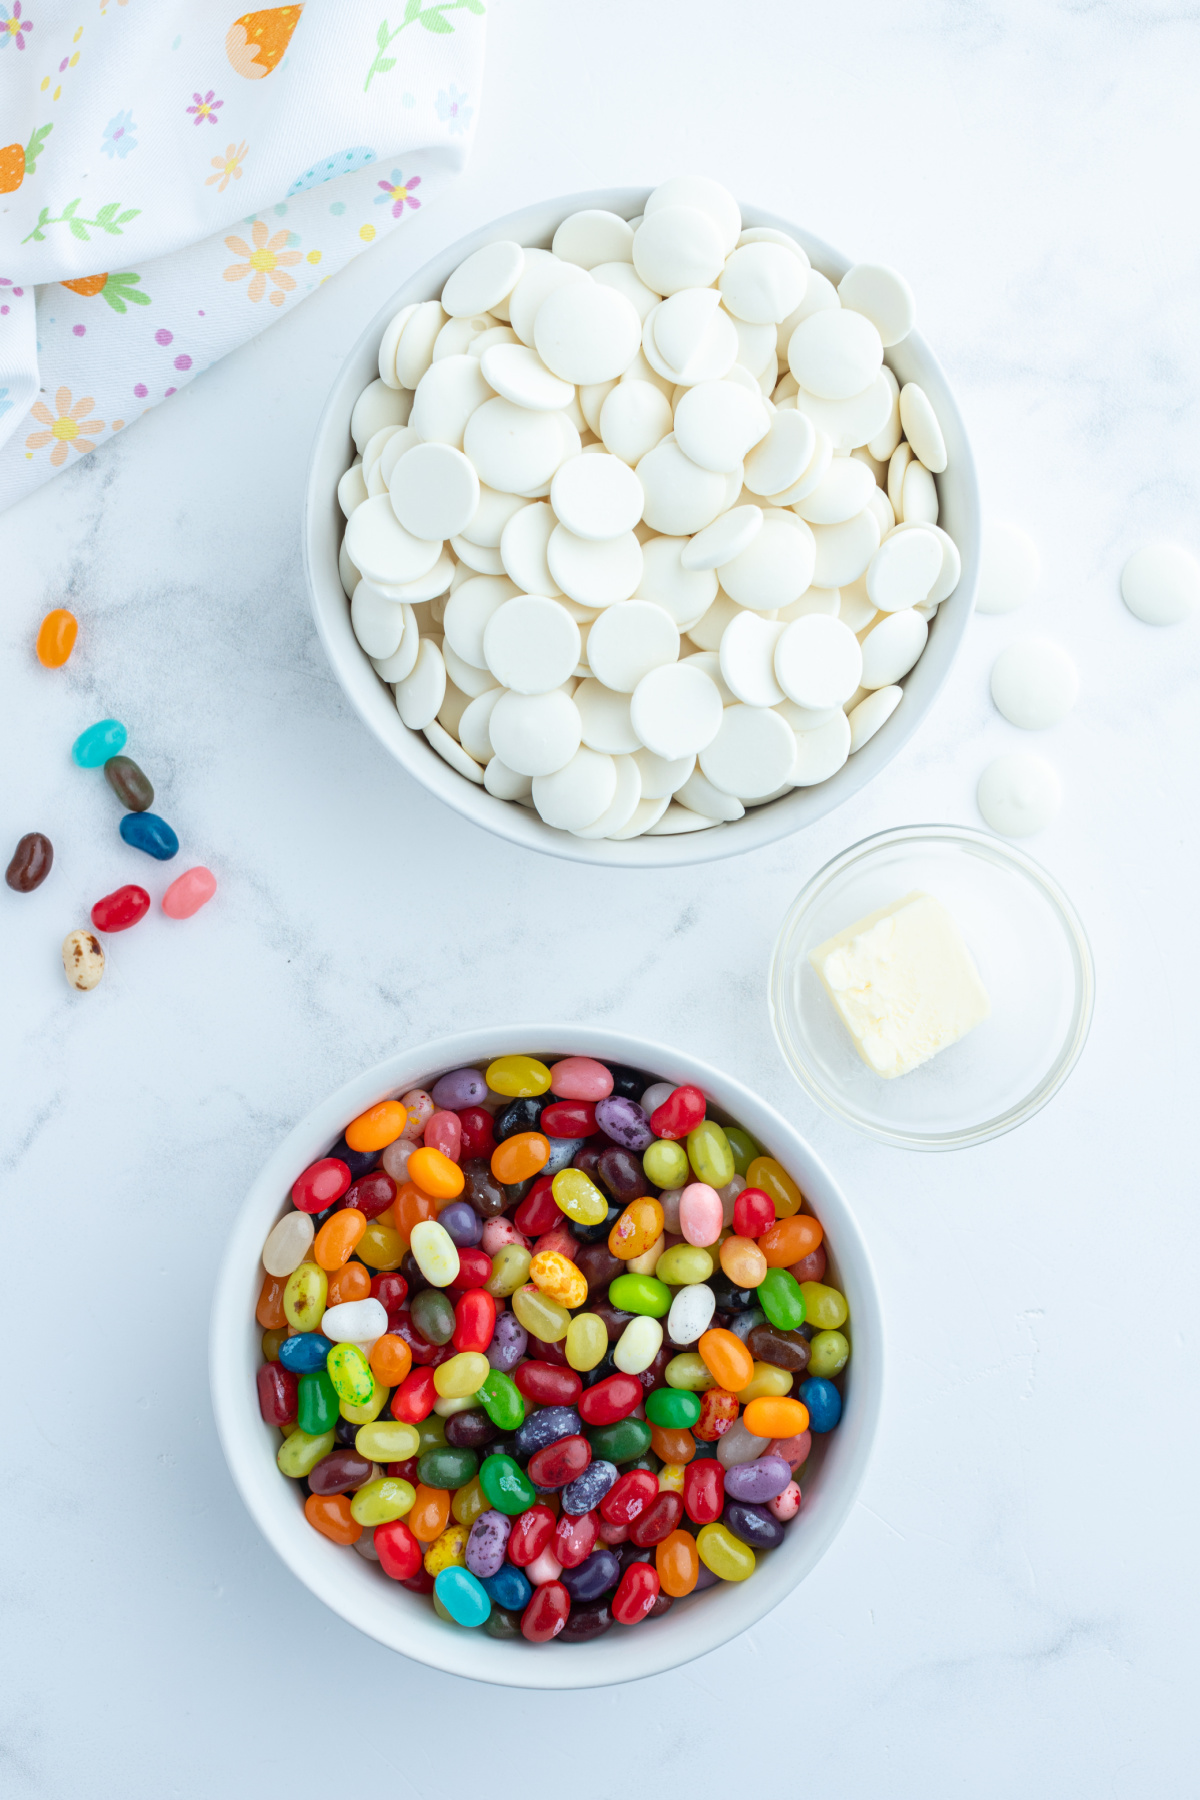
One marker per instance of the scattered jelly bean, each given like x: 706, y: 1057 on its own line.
x: 129, y: 783
x: 31, y: 862
x: 56, y: 637
x: 146, y: 831
x: 100, y: 741
x: 83, y: 960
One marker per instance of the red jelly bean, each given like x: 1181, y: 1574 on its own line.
x: 474, y: 1270
x: 559, y: 1240
x: 569, y: 1119
x: 420, y: 1583
x: 575, y: 1538
x: 474, y: 1321
x: 753, y: 1213
x: 611, y: 1399
x: 629, y: 1496
x: 119, y: 910
x: 546, y: 1613
x: 400, y: 1554
x: 658, y: 1521
x: 636, y: 1593
x: 554, y: 1354
x: 370, y: 1194
x: 320, y: 1185
x: 615, y: 1534
x: 478, y: 1132
x: 413, y: 1399
x: 278, y: 1395
x: 531, y: 1532
x: 407, y: 1471
x: 391, y: 1291
x: 559, y: 1463
x: 444, y: 1132
x: 547, y: 1385
x: 539, y: 1211
x: 679, y: 1113
x: 703, y: 1490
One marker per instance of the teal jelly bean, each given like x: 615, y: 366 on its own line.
x: 618, y: 1443
x: 640, y: 1294
x: 146, y: 831
x: 502, y: 1401
x: 506, y: 1485
x: 464, y: 1597
x: 317, y: 1405
x: 743, y: 1147
x: 780, y: 1298
x: 100, y: 741
x: 447, y: 1467
x: 673, y: 1408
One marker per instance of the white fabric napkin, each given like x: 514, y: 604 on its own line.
x: 178, y: 176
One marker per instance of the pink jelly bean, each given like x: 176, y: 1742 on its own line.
x: 545, y: 1567
x: 794, y: 1450
x: 420, y: 1110
x: 580, y: 1078
x: 188, y: 893
x: 443, y: 1131
x: 785, y: 1506
x: 700, y: 1216
x: 497, y: 1233
x: 395, y: 1158
x: 559, y: 1240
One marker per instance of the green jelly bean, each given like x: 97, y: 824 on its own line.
x: 619, y: 1443
x: 317, y: 1407
x: 666, y: 1163
x: 350, y: 1373
x: 651, y: 1463
x: 673, y: 1408
x: 506, y: 1485
x: 829, y: 1352
x: 299, y: 1454
x: 640, y: 1294
x: 683, y: 1265
x: 710, y: 1154
x: 502, y: 1624
x: 430, y: 1433
x: 780, y: 1298
x: 447, y: 1467
x: 433, y: 1316
x: 502, y: 1401
x: 743, y: 1148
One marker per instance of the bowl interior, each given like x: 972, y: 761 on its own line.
x: 358, y: 1590
x: 911, y: 360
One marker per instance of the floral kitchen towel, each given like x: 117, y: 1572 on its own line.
x: 179, y: 175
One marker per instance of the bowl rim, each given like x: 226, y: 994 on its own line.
x: 760, y: 825
x: 1001, y: 852
x: 249, y: 1446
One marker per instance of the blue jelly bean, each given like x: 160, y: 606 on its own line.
x: 146, y: 831
x: 462, y: 1222
x: 510, y: 1588
x: 464, y: 1597
x: 594, y: 1576
x: 754, y: 1525
x: 823, y: 1401
x: 305, y: 1352
x: 588, y: 1490
x: 100, y: 741
x: 547, y: 1426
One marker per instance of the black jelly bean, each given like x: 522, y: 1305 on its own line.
x: 519, y: 1115
x: 621, y: 1172
x: 730, y: 1298
x: 345, y: 1433
x: 547, y: 1426
x: 598, y: 1234
x: 470, y: 1430
x: 628, y: 1084
x: 129, y: 783
x: 583, y: 1624
x: 359, y: 1162
x: 31, y: 862
x: 410, y: 1268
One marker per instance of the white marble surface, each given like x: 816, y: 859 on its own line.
x: 1010, y: 1607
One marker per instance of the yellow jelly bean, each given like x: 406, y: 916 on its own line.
x: 765, y: 1173
x: 709, y: 1154
x: 464, y: 1374
x: 724, y: 1554
x: 510, y: 1267
x: 380, y: 1246
x: 647, y: 1262
x: 446, y: 1405
x: 666, y: 1163
x: 387, y: 1497
x: 449, y: 1551
x: 545, y: 1318
x: 766, y: 1380
x: 688, y: 1370
x: 304, y: 1296
x: 370, y: 1411
x: 393, y: 1441
x: 587, y: 1342
x: 518, y: 1077
x: 683, y: 1265
x: 578, y: 1197
x: 287, y: 1430
x: 351, y: 1374
x: 300, y: 1452
x: 435, y: 1251
x: 670, y: 1476
x: 559, y: 1278
x: 469, y: 1502
x: 825, y: 1306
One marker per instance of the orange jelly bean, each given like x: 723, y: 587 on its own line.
x: 337, y: 1238
x: 790, y: 1240
x: 769, y: 1417
x: 430, y: 1510
x: 520, y: 1156
x: 330, y: 1515
x: 730, y: 1364
x: 378, y: 1127
x: 390, y: 1359
x: 743, y: 1262
x: 410, y: 1207
x: 672, y: 1446
x: 56, y: 637
x: 269, y: 1311
x: 351, y: 1282
x: 765, y: 1173
x: 637, y: 1229
x: 434, y: 1173
x: 678, y: 1564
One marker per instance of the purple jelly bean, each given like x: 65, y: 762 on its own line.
x: 624, y: 1122
x: 547, y: 1426
x: 487, y: 1543
x: 462, y: 1222
x: 705, y: 1579
x: 588, y: 1490
x: 594, y: 1576
x: 461, y: 1087
x: 508, y: 1343
x: 753, y: 1524
x: 758, y: 1481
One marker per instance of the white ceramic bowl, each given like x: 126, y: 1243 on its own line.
x: 359, y: 1591
x: 911, y: 360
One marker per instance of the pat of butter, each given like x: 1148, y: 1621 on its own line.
x: 904, y: 984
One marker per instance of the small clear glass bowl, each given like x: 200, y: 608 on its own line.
x: 1030, y: 949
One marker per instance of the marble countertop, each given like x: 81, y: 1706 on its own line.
x: 1008, y: 1608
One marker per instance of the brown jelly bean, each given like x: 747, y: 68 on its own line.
x: 782, y: 1349
x: 611, y: 1317
x: 339, y: 1473
x: 598, y: 1266
x: 622, y: 1174
x: 129, y: 783
x: 31, y: 863
x: 481, y: 1191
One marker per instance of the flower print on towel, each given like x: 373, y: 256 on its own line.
x: 118, y: 139
x: 397, y: 193
x: 71, y: 427
x: 13, y: 27
x: 227, y: 168
x: 269, y: 257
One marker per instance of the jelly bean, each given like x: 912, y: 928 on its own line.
x: 700, y: 1214
x: 622, y: 1442
x: 677, y: 1564
x: 428, y: 1512
x: 271, y: 1341
x: 321, y: 1184
x: 499, y: 1234
x: 317, y: 1403
x: 385, y: 1498
x: 595, y: 1575
x: 738, y: 1445
x: 188, y: 892
x: 304, y: 1296
x: 729, y: 1558
x: 510, y: 1269
x: 470, y: 1430
x: 622, y: 1174
x: 444, y: 1133
x: 478, y: 1136
x: 559, y: 1463
x: 371, y: 1195
x: 508, y: 1345
x: 626, y: 1124
x: 754, y: 1525
x: 672, y: 1407
x: 558, y: 1278
x: 638, y: 1227
x: 545, y: 1567
x: 829, y: 1353
x: 31, y: 862
x: 680, y: 1113
x: 580, y: 1078
x: 299, y: 1454
x: 539, y: 1211
x: 341, y: 1472
x: 390, y: 1359
x: 636, y: 1593
x: 691, y: 1313
x: 587, y: 1490
x: 647, y: 1262
x: 586, y: 1341
x: 350, y: 1373
x: 598, y: 1266
x: 562, y: 1153
x: 827, y: 1308
x: 785, y: 1349
x: 381, y: 1247
x: 518, y: 1157
x: 676, y: 1448
x: 56, y: 637
x: 459, y: 1088
x: 287, y: 1243
x: 506, y: 1485
x: 683, y: 1266
x: 337, y: 1238
x: 532, y: 1533
x: 474, y: 1321
x: 100, y: 741
x: 776, y: 1418
x: 547, y: 1425
x: 629, y: 1497
x: 610, y: 1400
x: 348, y: 1284
x: 135, y: 791
x: 578, y: 1197
x: 465, y: 1599
x: 542, y: 1317
x: 83, y: 960
x: 718, y: 1410
x: 435, y: 1174
x: 423, y: 1353
x: 379, y: 1126
x: 730, y: 1297
x: 689, y: 1370
x: 391, y: 1290
x: 742, y: 1262
x: 277, y: 1394
x: 147, y: 831
x: 517, y: 1077
x: 418, y: 1110
x: 332, y: 1515
x: 399, y: 1552
x: 474, y: 1268
x: 487, y: 1543
x: 638, y: 1345
x: 765, y: 1173
x: 754, y: 1214
x: 786, y: 1505
x: 743, y: 1323
x: 810, y: 1268
x: 659, y: 1520
x: 666, y: 1164
x: 568, y: 1119
x: 743, y: 1147
x: 445, y: 1467
x: 547, y: 1611
x: 387, y: 1441
x: 359, y: 1162
x: 709, y: 1153
x: 433, y: 1315
x: 823, y: 1401
x: 518, y: 1118
x: 757, y: 1481
x: 462, y: 1375
x: 509, y: 1589
x: 727, y: 1359
x: 270, y: 1310
x: 434, y: 1249
x: 460, y: 1220
x: 641, y: 1294
x: 549, y: 1386
x: 781, y: 1299
x: 369, y: 1411
x: 790, y: 1239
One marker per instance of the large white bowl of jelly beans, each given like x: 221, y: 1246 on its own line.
x: 642, y: 527
x: 547, y: 1367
